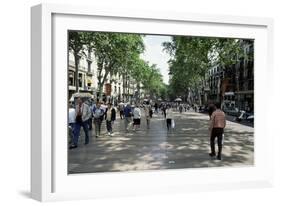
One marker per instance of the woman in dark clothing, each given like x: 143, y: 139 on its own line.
x: 211, y: 109
x: 110, y: 118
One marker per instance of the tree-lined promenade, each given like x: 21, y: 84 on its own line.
x: 153, y: 106
x: 191, y: 58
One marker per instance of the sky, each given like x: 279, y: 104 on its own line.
x: 155, y: 55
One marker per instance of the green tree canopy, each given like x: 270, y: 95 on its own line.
x: 192, y: 57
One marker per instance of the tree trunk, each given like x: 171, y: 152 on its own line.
x: 204, y: 98
x: 124, y: 87
x: 199, y: 96
x: 101, y: 83
x: 128, y: 89
x: 198, y: 93
x: 219, y: 90
x: 100, y: 87
x: 237, y: 66
x: 138, y: 93
x: 76, y: 63
x: 89, y: 60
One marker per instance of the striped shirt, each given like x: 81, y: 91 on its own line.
x: 217, y: 119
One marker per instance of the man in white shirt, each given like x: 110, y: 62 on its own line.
x: 137, y: 117
x: 82, y: 115
x: 71, y: 120
x: 169, y: 117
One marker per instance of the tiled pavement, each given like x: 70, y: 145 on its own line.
x: 187, y: 146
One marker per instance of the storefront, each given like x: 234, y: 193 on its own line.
x: 245, y: 100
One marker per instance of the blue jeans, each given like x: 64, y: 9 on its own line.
x: 97, y: 122
x: 109, y: 126
x: 90, y: 122
x: 127, y: 122
x: 76, y: 132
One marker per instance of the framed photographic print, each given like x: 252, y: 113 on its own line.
x: 137, y: 102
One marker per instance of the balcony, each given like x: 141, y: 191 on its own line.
x: 90, y: 73
x: 71, y: 63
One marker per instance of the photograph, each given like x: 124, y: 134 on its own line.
x: 143, y: 102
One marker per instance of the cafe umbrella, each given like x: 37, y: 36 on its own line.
x: 81, y: 95
x: 178, y: 100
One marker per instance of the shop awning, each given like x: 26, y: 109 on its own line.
x: 89, y: 81
x: 245, y: 92
x: 228, y: 93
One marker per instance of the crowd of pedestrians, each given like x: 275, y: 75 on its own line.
x: 85, y: 114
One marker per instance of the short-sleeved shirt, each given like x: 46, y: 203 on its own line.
x: 137, y: 113
x: 217, y: 119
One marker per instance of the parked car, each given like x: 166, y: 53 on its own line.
x: 233, y: 111
x: 245, y: 116
x: 203, y: 109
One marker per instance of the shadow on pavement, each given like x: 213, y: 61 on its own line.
x: 187, y: 146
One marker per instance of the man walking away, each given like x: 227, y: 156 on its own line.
x: 121, y: 111
x: 164, y: 110
x: 128, y: 116
x: 217, y: 125
x: 137, y: 117
x: 90, y: 121
x: 147, y: 109
x: 169, y: 117
x: 82, y: 115
x: 180, y: 108
x: 156, y: 107
x: 110, y: 118
x: 150, y: 111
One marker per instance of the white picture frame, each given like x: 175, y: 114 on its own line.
x: 49, y: 179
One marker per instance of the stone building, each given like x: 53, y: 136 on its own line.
x: 117, y: 88
x: 234, y: 85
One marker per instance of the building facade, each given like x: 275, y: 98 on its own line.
x: 86, y: 75
x: 234, y: 85
x: 117, y: 87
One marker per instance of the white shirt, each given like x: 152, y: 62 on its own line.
x: 169, y: 114
x: 85, y: 110
x: 71, y: 115
x: 98, y: 113
x: 137, y: 113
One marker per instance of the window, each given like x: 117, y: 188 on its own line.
x: 71, y: 79
x: 80, y: 80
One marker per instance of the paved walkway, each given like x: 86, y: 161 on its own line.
x: 155, y: 148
